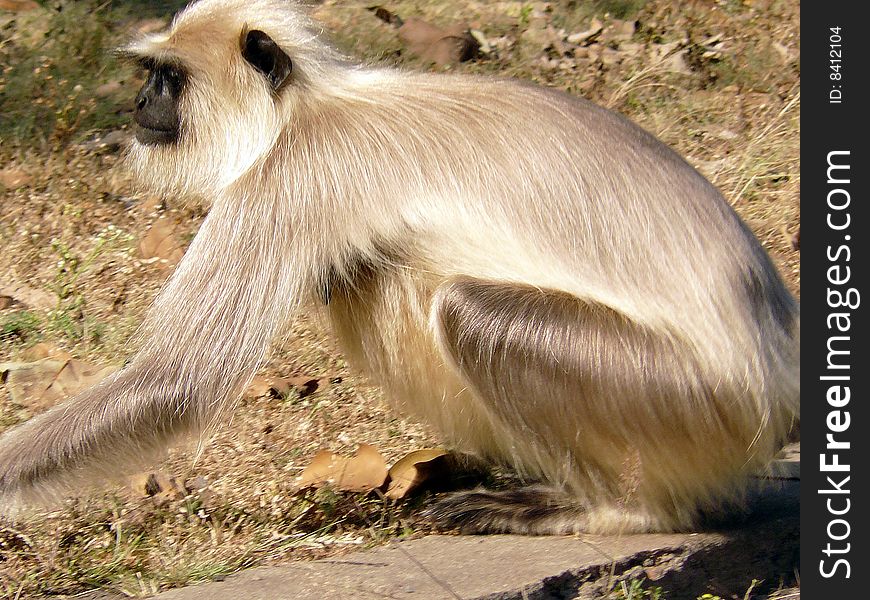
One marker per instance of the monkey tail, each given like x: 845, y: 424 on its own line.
x: 532, y: 510
x: 539, y: 510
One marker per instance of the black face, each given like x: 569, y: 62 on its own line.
x: 156, y: 115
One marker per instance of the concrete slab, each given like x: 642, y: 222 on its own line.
x: 761, y: 545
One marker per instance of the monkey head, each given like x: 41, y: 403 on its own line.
x: 217, y: 93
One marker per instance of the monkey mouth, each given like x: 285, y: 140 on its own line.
x: 151, y: 136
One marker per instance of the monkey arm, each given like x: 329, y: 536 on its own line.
x: 87, y: 439
x: 201, y: 342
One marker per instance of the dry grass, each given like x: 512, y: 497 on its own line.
x: 71, y: 233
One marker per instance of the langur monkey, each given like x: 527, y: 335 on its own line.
x: 544, y: 283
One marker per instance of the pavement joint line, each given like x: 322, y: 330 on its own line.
x: 431, y: 575
x: 595, y: 547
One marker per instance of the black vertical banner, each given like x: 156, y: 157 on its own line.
x: 835, y: 430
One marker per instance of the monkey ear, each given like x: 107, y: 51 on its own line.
x: 267, y: 57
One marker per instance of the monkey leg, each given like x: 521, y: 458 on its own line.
x: 618, y: 418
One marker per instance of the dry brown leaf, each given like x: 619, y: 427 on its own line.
x: 364, y: 472
x: 305, y: 386
x: 18, y: 5
x: 144, y: 484
x: 414, y: 469
x: 162, y: 242
x: 434, y: 44
x: 795, y: 240
x: 275, y: 387
x: 13, y: 178
x: 631, y: 49
x: 28, y: 296
x: 200, y: 487
x: 41, y: 384
x: 6, y: 301
x: 610, y: 57
x: 260, y: 386
x: 590, y: 35
x: 45, y: 350
x: 160, y: 487
x: 386, y: 16
x: 152, y: 204
x: 672, y: 55
x: 442, y: 46
x: 107, y: 89
x: 321, y: 470
x: 197, y: 485
x: 620, y: 31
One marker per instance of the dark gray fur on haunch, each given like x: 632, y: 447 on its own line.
x: 538, y: 279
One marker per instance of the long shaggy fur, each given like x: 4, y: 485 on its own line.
x: 539, y: 279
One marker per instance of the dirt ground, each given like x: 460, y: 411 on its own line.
x: 82, y: 255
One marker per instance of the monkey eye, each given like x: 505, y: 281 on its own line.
x: 174, y: 76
